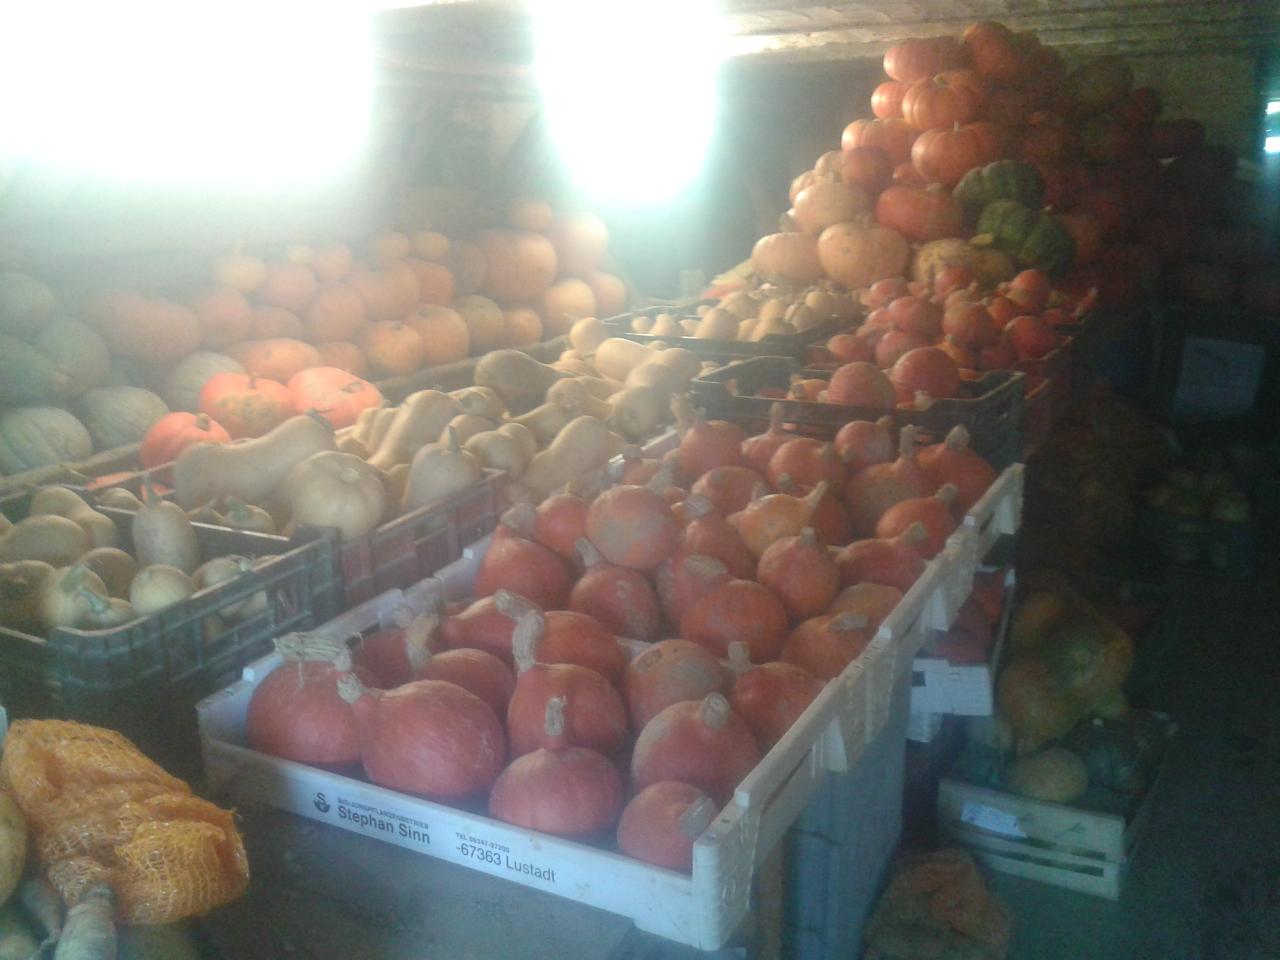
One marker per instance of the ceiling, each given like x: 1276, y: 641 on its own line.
x: 492, y: 39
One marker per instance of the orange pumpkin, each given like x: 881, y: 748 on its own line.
x: 225, y: 316
x: 1046, y: 139
x: 565, y: 302
x: 390, y: 245
x: 336, y: 313
x: 267, y: 322
x: 485, y: 324
x: 953, y: 96
x: 1010, y: 106
x: 393, y: 348
x: 993, y: 50
x: 174, y: 432
x: 335, y: 394
x: 610, y: 293
x: 920, y: 213
x: 145, y: 328
x: 443, y: 331
x: 858, y: 256
x: 886, y: 99
x: 389, y: 292
x: 944, y: 156
x: 525, y: 214
x: 519, y: 265
x: 521, y: 326
x: 1087, y: 231
x: 894, y: 136
x: 429, y: 245
x: 435, y: 282
x: 467, y: 264
x: 866, y: 167
x: 787, y: 258
x: 245, y: 405
x: 344, y: 355
x: 288, y: 285
x: 278, y: 358
x: 913, y: 60
x: 580, y: 241
x: 332, y: 261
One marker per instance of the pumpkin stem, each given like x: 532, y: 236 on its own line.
x: 350, y: 688
x: 958, y: 438
x: 664, y: 479
x: 697, y: 506
x: 907, y: 442
x: 814, y: 497
x: 149, y: 496
x: 715, y: 711
x: 844, y: 622
x: 946, y: 493
x: 682, y: 409
x: 914, y: 534
x: 808, y: 538
x: 520, y: 518
x: 587, y: 551
x: 922, y: 400
x: 786, y: 484
x: 202, y: 422
x: 759, y: 491
x: 318, y: 417
x: 697, y: 817
x: 313, y: 648
x: 417, y: 640
x: 704, y: 567
x: 775, y: 418
x: 739, y: 657
x: 554, y: 724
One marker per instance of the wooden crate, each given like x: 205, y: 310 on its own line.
x: 1050, y: 842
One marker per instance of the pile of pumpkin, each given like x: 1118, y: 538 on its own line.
x: 65, y: 566
x: 1063, y: 730
x: 726, y: 547
x: 95, y: 373
x: 987, y: 142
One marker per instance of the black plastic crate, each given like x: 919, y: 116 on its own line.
x: 144, y: 677
x: 991, y: 409
x: 796, y: 346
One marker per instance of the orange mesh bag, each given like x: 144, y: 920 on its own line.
x: 101, y: 812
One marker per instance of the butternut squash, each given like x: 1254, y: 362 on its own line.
x: 62, y: 502
x: 583, y: 445
x: 162, y: 533
x: 66, y: 600
x: 498, y: 451
x: 480, y: 401
x: 380, y: 427
x: 157, y: 587
x: 521, y: 381
x: 523, y: 437
x: 21, y: 587
x: 248, y: 469
x: 616, y: 357
x: 438, y: 471
x: 465, y: 426
x: 639, y: 410
x: 660, y: 376
x: 575, y: 396
x: 115, y: 568
x: 586, y: 335
x: 119, y: 498
x: 546, y: 422
x: 684, y: 362
x: 417, y: 422
x: 48, y: 537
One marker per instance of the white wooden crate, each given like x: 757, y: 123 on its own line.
x: 701, y: 910
x: 999, y: 511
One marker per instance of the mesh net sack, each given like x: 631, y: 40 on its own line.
x: 102, y: 812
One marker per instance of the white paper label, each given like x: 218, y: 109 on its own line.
x: 990, y: 818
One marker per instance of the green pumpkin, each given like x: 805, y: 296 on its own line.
x: 1035, y: 240
x: 1110, y: 752
x: 75, y: 349
x: 119, y: 416
x: 27, y: 376
x: 1002, y: 180
x: 33, y: 437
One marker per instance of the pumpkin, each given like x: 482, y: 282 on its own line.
x: 868, y: 168
x: 787, y: 258
x: 986, y: 264
x: 993, y: 50
x: 278, y: 358
x: 521, y: 326
x: 919, y: 213
x: 144, y: 328
x: 945, y: 156
x: 393, y: 348
x: 1086, y: 232
x: 343, y: 355
x: 1027, y: 698
x: 565, y: 302
x: 526, y: 213
x: 1035, y: 240
x: 886, y: 99
x: 1002, y: 180
x: 1054, y: 774
x: 466, y: 261
x: 389, y: 292
x: 335, y: 394
x: 444, y: 332
x: 246, y: 405
x: 190, y: 374
x: 580, y: 240
x: 331, y: 261
x: 520, y: 265
x: 1097, y: 84
x: 919, y: 59
x: 486, y: 325
x: 435, y: 281
x: 33, y: 437
x: 1111, y: 754
x: 610, y: 293
x: 858, y: 256
x: 288, y: 285
x: 174, y: 432
x: 951, y: 97
x: 76, y: 351
x: 1047, y: 138
x: 27, y: 375
x: 336, y: 313
x: 894, y: 136
x: 240, y: 270
x: 118, y: 416
x: 1010, y: 106
x: 25, y: 302
x: 828, y: 202
x: 224, y: 316
x: 269, y: 322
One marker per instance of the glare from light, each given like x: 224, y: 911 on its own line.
x: 629, y: 91
x: 1271, y: 145
x: 181, y: 93
x: 1273, y: 106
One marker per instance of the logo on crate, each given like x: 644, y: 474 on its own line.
x: 321, y: 803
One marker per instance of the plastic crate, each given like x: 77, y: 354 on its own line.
x: 991, y: 410
x: 702, y: 909
x: 1055, y: 368
x: 795, y: 346
x: 143, y: 677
